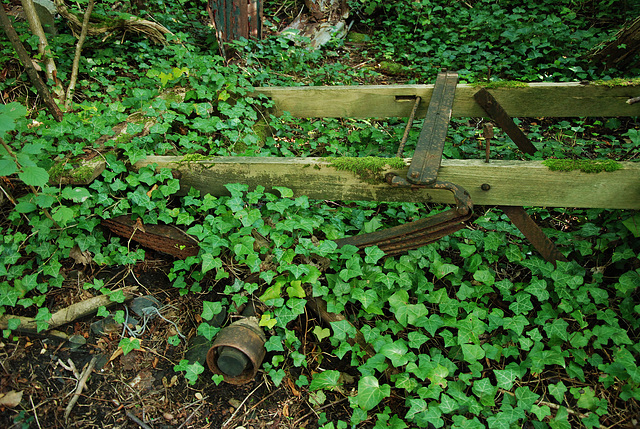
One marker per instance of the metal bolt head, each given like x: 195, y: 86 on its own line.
x: 485, y: 186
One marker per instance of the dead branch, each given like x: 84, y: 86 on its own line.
x: 106, y: 26
x: 81, y: 385
x: 76, y: 58
x: 68, y: 314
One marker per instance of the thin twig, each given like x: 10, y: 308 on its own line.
x: 35, y: 414
x: 405, y: 136
x: 190, y: 416
x: 240, y: 406
x: 315, y: 410
x: 259, y: 402
x: 633, y: 100
x: 136, y: 420
x: 81, y: 385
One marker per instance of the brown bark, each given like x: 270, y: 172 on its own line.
x: 24, y: 57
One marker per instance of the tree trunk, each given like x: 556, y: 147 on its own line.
x: 43, y: 47
x: 622, y: 52
x: 42, y: 89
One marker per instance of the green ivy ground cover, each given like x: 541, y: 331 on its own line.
x: 475, y: 330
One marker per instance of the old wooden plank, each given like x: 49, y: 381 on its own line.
x: 385, y: 101
x: 523, y: 183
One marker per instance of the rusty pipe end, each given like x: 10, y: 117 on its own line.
x: 237, y: 351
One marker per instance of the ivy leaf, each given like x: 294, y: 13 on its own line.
x: 557, y: 329
x: 342, y: 330
x: 499, y: 421
x: 485, y: 277
x: 209, y: 262
x: 505, y: 378
x: 296, y: 290
x: 373, y: 254
x: 272, y: 292
x: 129, y: 344
x: 483, y: 389
x: 210, y: 309
x: 321, y: 333
x: 396, y: 352
x: 411, y: 314
x: 472, y: 352
x: 284, y: 192
x: 557, y: 391
x: 369, y: 300
x: 62, y: 214
x: 208, y: 331
x: 632, y: 223
x: 438, y: 375
x: 526, y: 398
x: 538, y: 288
x: 370, y: 393
x: 325, y: 380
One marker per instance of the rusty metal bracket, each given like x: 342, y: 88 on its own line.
x: 504, y: 121
x: 402, y: 238
x: 428, y: 154
x: 533, y: 233
x: 423, y: 173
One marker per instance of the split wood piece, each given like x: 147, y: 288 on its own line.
x: 504, y: 121
x: 533, y: 100
x: 428, y: 154
x: 67, y: 314
x: 534, y: 233
x: 523, y: 183
x: 319, y: 306
x: 162, y: 238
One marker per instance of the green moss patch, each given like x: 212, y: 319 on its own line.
x: 500, y: 84
x: 368, y: 168
x: 618, y: 82
x: 584, y: 165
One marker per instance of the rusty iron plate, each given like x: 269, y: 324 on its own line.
x: 428, y: 154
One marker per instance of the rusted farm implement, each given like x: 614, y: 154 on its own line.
x: 427, y: 178
x: 508, y: 184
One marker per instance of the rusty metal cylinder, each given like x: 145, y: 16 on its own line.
x: 237, y: 351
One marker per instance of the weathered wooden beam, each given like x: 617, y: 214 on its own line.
x: 385, y: 101
x: 521, y: 183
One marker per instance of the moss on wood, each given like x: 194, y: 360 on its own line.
x: 500, y: 84
x: 618, y: 82
x: 368, y: 168
x: 584, y: 165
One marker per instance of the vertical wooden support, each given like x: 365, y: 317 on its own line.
x: 235, y: 19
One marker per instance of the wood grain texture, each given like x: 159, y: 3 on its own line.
x: 385, y: 101
x: 521, y: 183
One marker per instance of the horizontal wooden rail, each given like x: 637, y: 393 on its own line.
x: 385, y: 101
x: 517, y: 183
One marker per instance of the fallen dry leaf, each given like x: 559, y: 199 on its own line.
x: 10, y: 399
x: 79, y: 256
